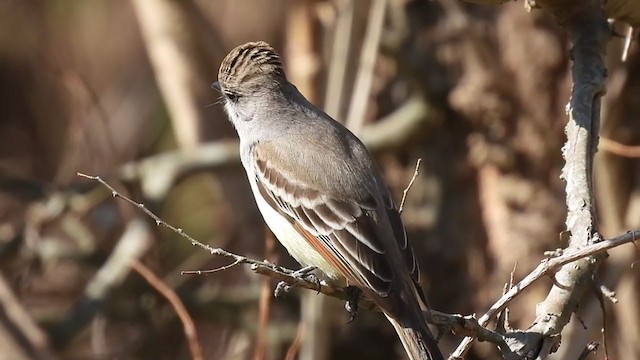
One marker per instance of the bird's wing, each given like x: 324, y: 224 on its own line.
x: 343, y: 231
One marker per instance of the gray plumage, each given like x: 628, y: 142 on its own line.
x: 321, y: 193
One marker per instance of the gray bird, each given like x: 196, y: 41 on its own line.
x: 321, y: 193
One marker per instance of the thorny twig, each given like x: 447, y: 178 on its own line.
x: 238, y: 259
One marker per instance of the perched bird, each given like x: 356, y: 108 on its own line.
x: 321, y: 193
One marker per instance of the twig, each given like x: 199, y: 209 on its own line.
x: 368, y: 54
x: 546, y: 267
x: 337, y: 68
x: 187, y: 323
x: 627, y: 43
x: 406, y: 190
x: 158, y: 173
x: 295, y: 345
x: 17, y: 323
x: 394, y: 130
x: 608, y: 293
x: 605, y: 320
x: 549, y: 346
x: 617, y: 148
x: 173, y: 49
x: 300, y: 51
x: 238, y: 259
x: 264, y: 302
x: 588, y: 350
x: 211, y: 271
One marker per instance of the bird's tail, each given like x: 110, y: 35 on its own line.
x: 417, y: 339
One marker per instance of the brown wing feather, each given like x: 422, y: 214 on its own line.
x: 322, y: 249
x: 343, y: 232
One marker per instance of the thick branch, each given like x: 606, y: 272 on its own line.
x: 589, y: 33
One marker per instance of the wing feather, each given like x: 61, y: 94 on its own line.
x: 342, y: 231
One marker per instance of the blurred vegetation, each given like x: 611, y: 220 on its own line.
x: 121, y: 89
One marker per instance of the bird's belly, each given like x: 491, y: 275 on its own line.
x: 295, y: 244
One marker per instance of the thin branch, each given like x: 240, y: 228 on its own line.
x: 211, y: 271
x: 158, y: 173
x: 294, y: 349
x: 591, y: 348
x: 339, y: 62
x: 159, y: 222
x: 177, y: 57
x: 608, y: 293
x: 368, y: 54
x: 546, y: 267
x: 605, y: 320
x: 628, y: 38
x: 264, y: 301
x: 614, y: 147
x: 187, y: 323
x: 406, y: 190
x: 17, y: 323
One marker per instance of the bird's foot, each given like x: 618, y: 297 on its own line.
x: 304, y: 274
x: 281, y: 289
x: 353, y: 294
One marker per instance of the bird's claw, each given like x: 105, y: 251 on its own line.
x: 281, y: 289
x: 304, y: 274
x: 353, y: 294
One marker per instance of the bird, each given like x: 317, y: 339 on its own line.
x: 321, y: 193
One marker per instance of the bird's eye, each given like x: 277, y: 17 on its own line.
x: 231, y: 96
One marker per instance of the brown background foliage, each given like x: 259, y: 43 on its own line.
x: 78, y: 92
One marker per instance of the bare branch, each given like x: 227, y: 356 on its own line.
x: 368, y: 54
x: 187, y: 323
x: 628, y: 38
x: 159, y: 222
x: 546, y: 267
x: 18, y: 324
x: 406, y: 190
x: 591, y: 347
x: 617, y: 148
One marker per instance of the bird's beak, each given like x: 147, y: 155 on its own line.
x: 216, y: 85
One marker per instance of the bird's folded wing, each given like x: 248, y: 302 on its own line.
x: 343, y: 231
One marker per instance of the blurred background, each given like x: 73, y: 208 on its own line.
x: 121, y: 89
